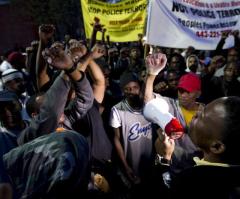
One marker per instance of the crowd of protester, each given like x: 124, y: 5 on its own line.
x: 73, y: 126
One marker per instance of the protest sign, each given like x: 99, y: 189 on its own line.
x: 197, y: 23
x: 123, y: 20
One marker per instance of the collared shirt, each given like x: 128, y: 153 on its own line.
x: 202, y: 162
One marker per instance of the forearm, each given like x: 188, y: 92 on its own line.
x: 96, y: 73
x: 82, y: 102
x: 83, y: 64
x: 98, y: 81
x: 54, y: 102
x: 93, y: 38
x: 148, y: 94
x: 237, y: 42
x: 41, y: 66
x: 73, y: 73
x: 120, y: 153
x: 219, y: 48
x: 155, y: 64
x: 103, y: 37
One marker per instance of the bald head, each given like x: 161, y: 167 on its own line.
x: 217, y: 127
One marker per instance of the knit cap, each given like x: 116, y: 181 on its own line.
x: 127, y: 77
x: 11, y: 74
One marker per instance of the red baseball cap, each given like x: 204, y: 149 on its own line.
x: 190, y: 82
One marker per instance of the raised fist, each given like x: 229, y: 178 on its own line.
x: 155, y: 63
x: 77, y: 50
x: 97, y: 51
x: 225, y: 34
x: 97, y: 26
x: 57, y: 57
x: 235, y: 33
x: 35, y: 44
x: 46, y: 32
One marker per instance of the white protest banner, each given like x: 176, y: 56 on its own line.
x: 197, y: 23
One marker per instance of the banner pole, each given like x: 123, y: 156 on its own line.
x: 146, y: 46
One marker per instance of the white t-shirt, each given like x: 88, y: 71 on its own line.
x: 137, y: 135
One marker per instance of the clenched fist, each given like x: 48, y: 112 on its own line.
x: 156, y: 63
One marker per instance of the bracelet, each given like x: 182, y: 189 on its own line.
x: 70, y: 70
x: 159, y: 160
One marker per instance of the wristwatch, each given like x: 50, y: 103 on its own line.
x: 159, y: 160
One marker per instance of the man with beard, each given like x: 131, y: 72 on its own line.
x: 193, y: 64
x: 132, y: 136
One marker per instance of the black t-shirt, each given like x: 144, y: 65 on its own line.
x: 91, y: 126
